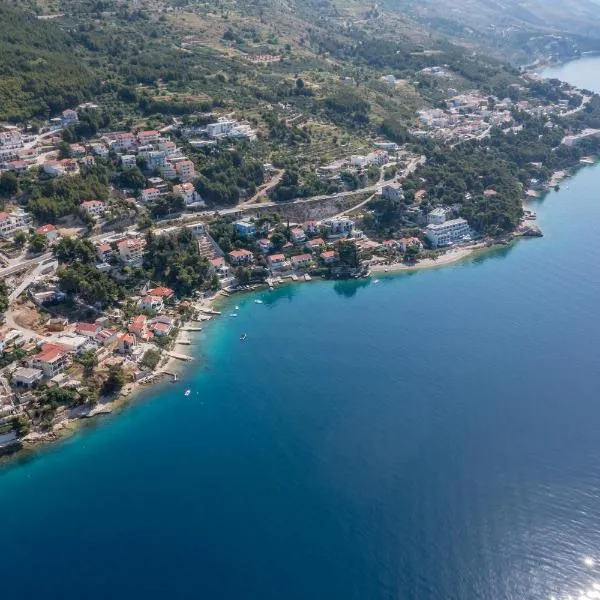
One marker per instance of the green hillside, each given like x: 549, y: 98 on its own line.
x: 39, y: 74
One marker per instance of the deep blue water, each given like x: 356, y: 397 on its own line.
x: 432, y: 436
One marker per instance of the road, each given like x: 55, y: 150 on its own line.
x: 41, y: 269
x: 23, y: 265
x: 264, y: 189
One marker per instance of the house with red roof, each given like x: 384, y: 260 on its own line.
x: 277, y: 261
x: 48, y: 231
x: 88, y: 329
x: 161, y: 292
x: 301, y: 261
x: 148, y: 137
x: 328, y: 257
x: 104, y: 251
x: 51, y: 359
x: 241, y: 257
x: 94, y: 208
x: 127, y: 343
x: 151, y: 303
x: 297, y: 235
x: 315, y: 244
x: 161, y: 329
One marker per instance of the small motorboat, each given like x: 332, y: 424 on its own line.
x: 187, y: 392
x: 237, y: 308
x: 243, y: 336
x: 258, y: 302
x: 233, y: 315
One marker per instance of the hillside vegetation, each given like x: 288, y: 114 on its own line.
x: 39, y: 74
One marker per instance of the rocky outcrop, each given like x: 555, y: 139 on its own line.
x: 529, y: 229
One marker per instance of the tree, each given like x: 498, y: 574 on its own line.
x: 348, y: 253
x: 21, y: 425
x: 9, y: 184
x: 150, y: 359
x: 88, y: 360
x: 37, y: 243
x: 20, y: 239
x: 114, y: 382
x: 70, y: 250
x: 3, y: 297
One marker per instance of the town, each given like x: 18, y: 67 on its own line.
x: 99, y: 300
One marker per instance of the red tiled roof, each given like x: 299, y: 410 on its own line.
x: 45, y: 229
x: 163, y: 292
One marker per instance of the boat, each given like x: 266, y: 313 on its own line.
x: 258, y: 302
x: 243, y: 336
x: 187, y: 392
x: 237, y: 308
x: 174, y: 377
x: 233, y: 315
x: 376, y: 281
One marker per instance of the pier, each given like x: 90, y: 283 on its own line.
x: 179, y: 356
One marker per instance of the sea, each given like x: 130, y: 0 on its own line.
x: 431, y: 435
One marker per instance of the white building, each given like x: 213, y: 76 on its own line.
x: 94, y: 208
x: 150, y: 194
x: 26, y: 376
x: 187, y: 192
x: 437, y: 216
x: 128, y: 161
x: 12, y: 222
x: 447, y: 233
x: 222, y: 127
x: 131, y: 251
x: 339, y: 225
x: 69, y: 116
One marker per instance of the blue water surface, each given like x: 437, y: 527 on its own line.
x: 432, y: 436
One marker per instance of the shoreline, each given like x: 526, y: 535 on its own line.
x: 170, y: 364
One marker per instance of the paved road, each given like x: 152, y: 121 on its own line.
x: 42, y: 269
x: 23, y: 265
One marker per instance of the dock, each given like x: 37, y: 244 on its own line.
x: 179, y: 356
x: 191, y: 329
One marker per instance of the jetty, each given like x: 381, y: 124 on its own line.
x: 191, y: 329
x: 179, y: 356
x: 209, y: 311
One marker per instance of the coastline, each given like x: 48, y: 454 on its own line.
x: 170, y: 364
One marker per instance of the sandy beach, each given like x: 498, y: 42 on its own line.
x: 449, y: 257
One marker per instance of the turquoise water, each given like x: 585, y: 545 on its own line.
x: 435, y: 435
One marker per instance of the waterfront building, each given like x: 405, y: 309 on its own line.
x: 240, y: 257
x: 26, y: 376
x: 277, y: 261
x: 52, y: 359
x: 447, y: 233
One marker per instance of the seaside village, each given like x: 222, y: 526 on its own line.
x: 62, y: 354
